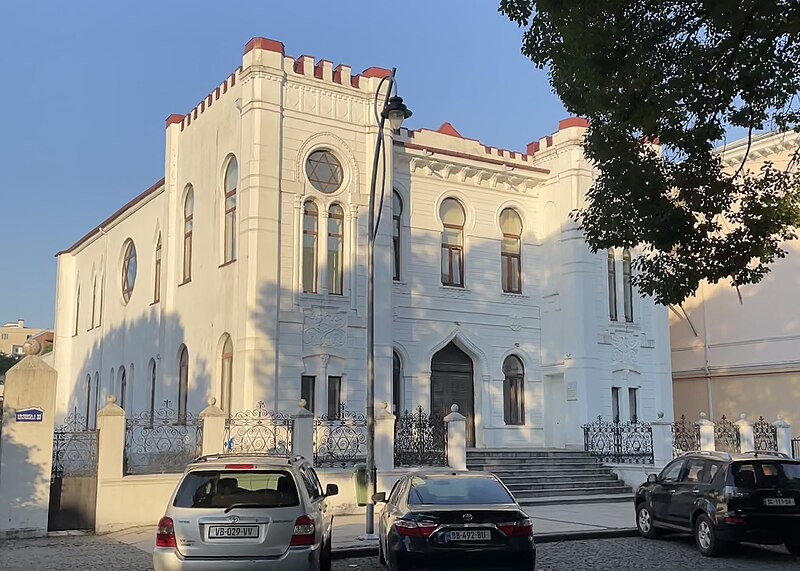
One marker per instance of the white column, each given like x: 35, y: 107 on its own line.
x: 213, y: 419
x: 706, y: 433
x: 297, y: 273
x: 746, y: 440
x: 662, y: 441
x: 303, y: 432
x: 110, y: 455
x: 384, y: 438
x: 456, y: 439
x: 352, y: 270
x: 783, y: 432
x: 322, y: 250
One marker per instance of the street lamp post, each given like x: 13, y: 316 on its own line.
x: 395, y: 111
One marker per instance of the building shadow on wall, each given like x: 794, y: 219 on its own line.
x: 25, y: 484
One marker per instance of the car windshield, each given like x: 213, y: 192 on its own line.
x: 453, y: 491
x: 767, y: 474
x: 221, y: 489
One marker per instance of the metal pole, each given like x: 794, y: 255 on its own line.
x: 371, y: 471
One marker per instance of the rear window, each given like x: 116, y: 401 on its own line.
x: 453, y: 491
x: 221, y: 489
x: 766, y: 474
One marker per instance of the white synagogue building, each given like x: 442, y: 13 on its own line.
x: 241, y: 274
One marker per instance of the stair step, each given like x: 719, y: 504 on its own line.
x: 512, y: 481
x: 562, y: 500
x: 525, y: 495
x: 549, y: 472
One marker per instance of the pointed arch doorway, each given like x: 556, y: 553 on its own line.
x: 452, y: 383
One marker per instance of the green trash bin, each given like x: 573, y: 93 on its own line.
x: 360, y: 477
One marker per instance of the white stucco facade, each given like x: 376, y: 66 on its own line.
x: 271, y: 114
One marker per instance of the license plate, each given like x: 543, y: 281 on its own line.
x: 469, y: 535
x: 778, y: 501
x: 233, y: 532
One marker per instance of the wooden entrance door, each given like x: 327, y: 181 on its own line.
x: 452, y: 383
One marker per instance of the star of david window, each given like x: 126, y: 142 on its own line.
x: 324, y: 171
x: 128, y: 270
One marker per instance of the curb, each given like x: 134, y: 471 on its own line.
x: 372, y: 550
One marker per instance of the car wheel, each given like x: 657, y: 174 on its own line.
x: 793, y: 547
x: 706, y: 537
x: 644, y: 522
x: 326, y: 559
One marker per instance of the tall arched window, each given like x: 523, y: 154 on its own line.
x: 88, y: 401
x: 335, y: 248
x: 100, y: 312
x: 612, y: 285
x: 627, y: 285
x: 123, y: 386
x: 511, y: 251
x: 452, y: 214
x: 94, y: 300
x: 514, y: 391
x: 310, y: 220
x: 397, y: 384
x: 157, y: 272
x: 226, y: 374
x: 183, y: 383
x: 95, y: 402
x: 151, y: 375
x: 188, y: 229
x: 231, y: 182
x: 77, y: 310
x: 397, y: 217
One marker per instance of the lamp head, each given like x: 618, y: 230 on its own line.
x: 396, y: 112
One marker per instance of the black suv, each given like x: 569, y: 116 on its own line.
x: 722, y: 498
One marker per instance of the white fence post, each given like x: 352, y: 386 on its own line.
x: 110, y: 457
x: 783, y: 433
x: 746, y: 440
x: 662, y: 441
x: 706, y: 433
x: 456, y: 439
x: 213, y: 419
x: 384, y: 438
x: 303, y: 432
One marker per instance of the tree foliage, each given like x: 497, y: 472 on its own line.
x: 6, y: 362
x: 681, y: 72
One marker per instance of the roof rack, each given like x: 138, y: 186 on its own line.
x: 757, y: 453
x: 290, y: 459
x: 711, y: 453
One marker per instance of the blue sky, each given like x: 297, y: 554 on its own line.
x: 87, y: 86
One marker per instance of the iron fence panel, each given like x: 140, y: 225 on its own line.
x: 619, y: 442
x: 74, y: 448
x: 340, y: 441
x: 161, y: 442
x: 726, y: 436
x: 259, y: 431
x: 419, y: 440
x: 765, y: 436
x: 685, y: 436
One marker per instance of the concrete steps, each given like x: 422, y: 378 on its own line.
x: 538, y: 477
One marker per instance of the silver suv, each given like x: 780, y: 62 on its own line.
x: 232, y: 512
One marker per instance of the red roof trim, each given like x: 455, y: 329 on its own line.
x: 264, y: 44
x: 572, y: 122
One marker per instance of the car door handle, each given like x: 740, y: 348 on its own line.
x: 696, y: 492
x: 672, y: 492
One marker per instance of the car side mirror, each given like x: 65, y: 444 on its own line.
x: 331, y: 490
x: 652, y: 478
x: 379, y: 497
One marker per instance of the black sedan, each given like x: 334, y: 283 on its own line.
x: 459, y: 520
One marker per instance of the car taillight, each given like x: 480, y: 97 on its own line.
x: 304, y: 532
x: 165, y: 535
x: 406, y: 528
x: 521, y: 528
x: 239, y: 466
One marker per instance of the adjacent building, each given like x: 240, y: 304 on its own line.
x: 241, y: 274
x: 739, y: 351
x: 13, y: 336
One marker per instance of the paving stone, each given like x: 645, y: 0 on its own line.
x: 71, y: 552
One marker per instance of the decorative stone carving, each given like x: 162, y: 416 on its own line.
x: 624, y: 347
x: 324, y: 328
x: 515, y: 323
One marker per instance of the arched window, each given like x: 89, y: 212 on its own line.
x: 188, y: 229
x: 88, y: 401
x: 335, y: 248
x: 100, y: 312
x: 310, y: 219
x: 95, y: 403
x: 627, y: 285
x: 511, y: 251
x: 129, y: 267
x: 157, y: 273
x: 612, y: 285
x: 397, y: 217
x: 183, y: 383
x: 151, y: 375
x: 226, y: 374
x: 452, y: 214
x: 123, y: 386
x: 94, y: 300
x: 397, y: 384
x: 514, y: 391
x: 231, y: 182
x: 77, y: 310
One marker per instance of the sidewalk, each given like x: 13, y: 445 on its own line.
x: 550, y: 523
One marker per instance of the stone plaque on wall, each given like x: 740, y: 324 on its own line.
x: 572, y: 390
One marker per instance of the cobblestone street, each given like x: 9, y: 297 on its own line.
x: 90, y: 553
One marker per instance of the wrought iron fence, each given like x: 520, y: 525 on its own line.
x: 619, y: 442
x: 162, y: 442
x: 74, y: 448
x: 726, y: 436
x: 685, y: 436
x: 765, y: 436
x: 419, y: 440
x: 259, y: 431
x: 340, y: 441
x: 796, y: 448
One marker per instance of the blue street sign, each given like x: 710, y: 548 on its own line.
x: 34, y: 414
